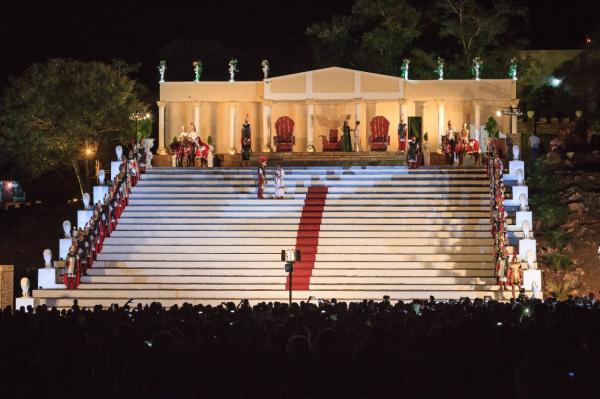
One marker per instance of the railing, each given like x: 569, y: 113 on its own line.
x: 87, y: 242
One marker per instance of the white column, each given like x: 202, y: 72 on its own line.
x: 310, y: 127
x: 477, y: 132
x: 161, y: 128
x: 232, y: 109
x: 513, y: 120
x: 266, y: 127
x: 197, y: 116
x: 441, y: 121
x: 402, y: 110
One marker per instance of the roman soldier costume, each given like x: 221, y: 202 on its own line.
x: 413, y: 153
x: 246, y: 142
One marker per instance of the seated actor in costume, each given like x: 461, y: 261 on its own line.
x: 246, y: 142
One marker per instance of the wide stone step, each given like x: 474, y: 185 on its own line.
x: 174, y: 282
x: 369, y: 198
x: 136, y: 201
x: 195, y: 296
x: 276, y: 264
x: 183, y: 273
x: 327, y: 220
x: 268, y: 212
x: 340, y: 234
x: 276, y: 256
x: 346, y: 250
x: 324, y: 181
x: 289, y: 226
x: 236, y: 296
x: 376, y: 207
x: 414, y: 189
x: 287, y: 241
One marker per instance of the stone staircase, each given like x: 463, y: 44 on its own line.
x: 201, y: 236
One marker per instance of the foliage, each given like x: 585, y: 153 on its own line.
x: 581, y: 80
x: 373, y: 37
x: 558, y: 261
x: 491, y: 126
x: 557, y: 238
x: 379, y: 34
x: 51, y: 114
x: 563, y: 283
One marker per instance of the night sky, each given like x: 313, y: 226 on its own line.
x: 136, y: 31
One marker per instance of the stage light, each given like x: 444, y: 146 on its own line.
x: 554, y: 81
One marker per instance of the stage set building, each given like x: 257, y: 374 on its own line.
x: 320, y: 100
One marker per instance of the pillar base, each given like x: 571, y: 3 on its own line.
x: 162, y: 151
x: 232, y: 151
x: 310, y: 148
x: 266, y: 149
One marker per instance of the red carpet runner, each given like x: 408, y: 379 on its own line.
x: 307, y: 239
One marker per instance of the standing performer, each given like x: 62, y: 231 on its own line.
x: 402, y: 133
x: 413, y: 153
x: 357, y: 136
x: 262, y: 176
x: 246, y: 142
x: 450, y: 136
x: 279, y: 183
x: 346, y: 141
x: 447, y: 148
x: 514, y: 274
x: 461, y: 145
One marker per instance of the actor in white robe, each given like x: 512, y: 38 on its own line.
x: 279, y: 183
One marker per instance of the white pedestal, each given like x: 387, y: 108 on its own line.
x: 513, y: 166
x: 114, y: 169
x: 83, y: 217
x: 47, y: 278
x: 516, y: 193
x: 174, y: 161
x: 24, y: 302
x: 523, y: 216
x: 526, y: 245
x: 531, y: 275
x: 99, y: 193
x: 63, y: 247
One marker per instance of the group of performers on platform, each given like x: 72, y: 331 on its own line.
x: 87, y: 242
x: 457, y: 144
x: 189, y: 149
x: 508, y: 267
x: 263, y: 180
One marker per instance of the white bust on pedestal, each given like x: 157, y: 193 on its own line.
x: 25, y: 300
x: 47, y: 258
x: 47, y: 274
x: 119, y: 152
x: 85, y: 198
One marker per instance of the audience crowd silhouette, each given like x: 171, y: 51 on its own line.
x: 421, y: 349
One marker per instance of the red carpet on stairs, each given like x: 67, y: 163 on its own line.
x: 307, y: 239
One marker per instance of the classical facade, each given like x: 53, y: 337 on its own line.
x: 320, y: 100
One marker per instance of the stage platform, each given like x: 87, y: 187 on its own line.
x: 374, y: 158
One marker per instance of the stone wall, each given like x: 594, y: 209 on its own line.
x: 6, y: 285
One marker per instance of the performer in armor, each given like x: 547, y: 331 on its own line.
x: 413, y: 153
x: 451, y: 142
x: 262, y: 177
x: 246, y: 142
x: 514, y: 274
x: 447, y: 148
x: 279, y: 183
x: 402, y: 135
x: 346, y: 141
x: 357, y: 136
x: 69, y: 276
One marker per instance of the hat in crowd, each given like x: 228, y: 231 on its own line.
x: 262, y: 159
